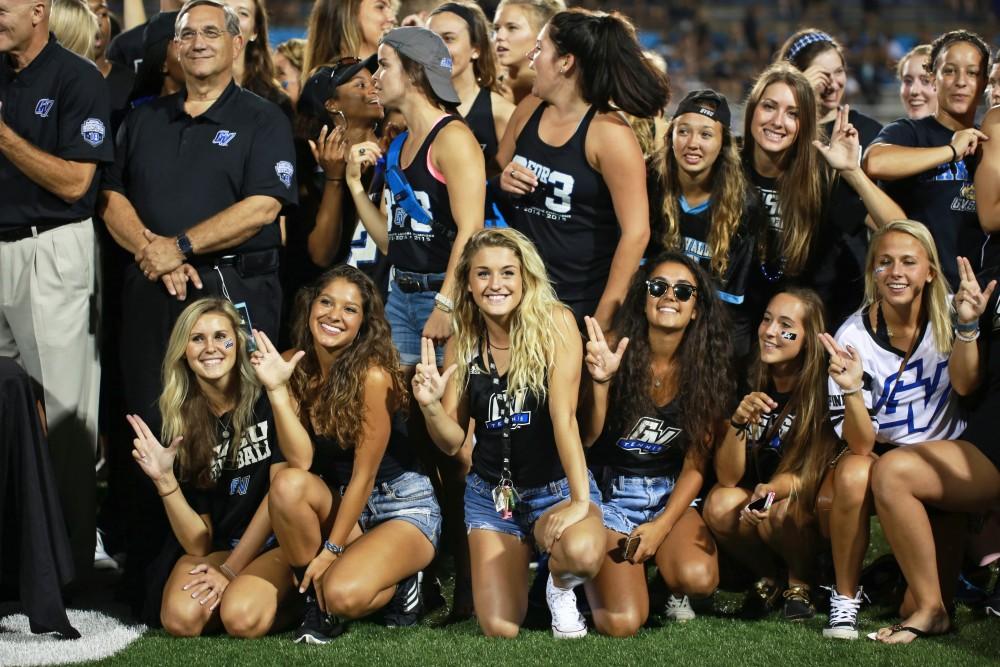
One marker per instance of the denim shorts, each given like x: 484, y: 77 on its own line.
x: 481, y: 514
x: 407, y: 313
x: 632, y: 501
x: 408, y: 497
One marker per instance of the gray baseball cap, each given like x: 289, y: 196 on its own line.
x: 426, y: 48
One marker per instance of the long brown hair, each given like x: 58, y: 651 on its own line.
x: 805, y: 178
x: 259, y: 74
x: 335, y: 405
x: 810, y: 443
x: 485, y: 66
x: 183, y: 406
x: 728, y: 197
x: 333, y: 32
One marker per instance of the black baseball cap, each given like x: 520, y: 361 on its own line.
x: 323, y: 83
x: 692, y: 103
x: 158, y: 29
x: 425, y: 47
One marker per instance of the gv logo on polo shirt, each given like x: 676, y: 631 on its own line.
x: 43, y: 107
x: 223, y: 137
x: 92, y: 131
x: 284, y: 170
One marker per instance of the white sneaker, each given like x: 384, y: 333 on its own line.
x: 567, y: 621
x: 102, y: 560
x: 679, y: 609
x: 843, y: 622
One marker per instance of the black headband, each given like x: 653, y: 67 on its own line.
x: 461, y: 11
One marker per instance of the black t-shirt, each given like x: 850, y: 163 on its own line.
x: 241, y: 484
x: 59, y: 104
x: 416, y: 246
x: 765, y: 442
x: 177, y: 171
x: 127, y: 48
x: 335, y: 464
x: 868, y: 128
x: 653, y: 447
x: 483, y: 126
x: 119, y: 80
x: 943, y: 198
x: 570, y: 215
x: 534, y: 459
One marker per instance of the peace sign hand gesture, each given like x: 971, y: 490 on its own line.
x: 970, y: 300
x: 428, y: 383
x: 602, y: 361
x: 845, y: 364
x: 844, y: 151
x: 272, y: 369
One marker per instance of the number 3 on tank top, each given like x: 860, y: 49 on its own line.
x: 562, y: 189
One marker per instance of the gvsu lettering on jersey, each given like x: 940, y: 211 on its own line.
x: 918, y: 392
x: 43, y: 107
x: 649, y: 436
x: 238, y: 486
x: 223, y: 137
x: 559, y: 203
x: 254, y: 447
x: 519, y: 416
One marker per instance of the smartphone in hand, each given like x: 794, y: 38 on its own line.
x: 631, y: 545
x: 762, y: 504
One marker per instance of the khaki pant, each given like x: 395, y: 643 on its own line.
x: 48, y: 325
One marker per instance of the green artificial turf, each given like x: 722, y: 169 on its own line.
x: 716, y: 639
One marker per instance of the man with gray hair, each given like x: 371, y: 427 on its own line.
x: 194, y: 194
x: 54, y: 119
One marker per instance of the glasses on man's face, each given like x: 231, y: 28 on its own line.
x: 682, y: 291
x: 210, y: 34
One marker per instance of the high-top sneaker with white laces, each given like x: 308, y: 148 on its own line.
x: 567, y: 621
x: 679, y: 609
x: 843, y: 622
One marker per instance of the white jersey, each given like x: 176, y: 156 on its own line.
x: 918, y: 407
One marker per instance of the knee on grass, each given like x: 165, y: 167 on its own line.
x: 619, y: 624
x: 498, y: 627
x: 696, y: 579
x: 183, y: 618
x: 246, y: 618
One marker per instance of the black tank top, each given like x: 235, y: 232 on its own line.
x: 534, y: 460
x: 414, y: 246
x: 654, y: 445
x: 482, y: 124
x: 335, y: 464
x: 569, y: 216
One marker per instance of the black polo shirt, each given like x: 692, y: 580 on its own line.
x: 178, y: 171
x: 58, y: 103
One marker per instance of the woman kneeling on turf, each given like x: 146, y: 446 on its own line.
x: 514, y: 368
x: 232, y: 576
x: 776, y: 450
x: 889, y: 387
x: 355, y: 517
x: 656, y: 412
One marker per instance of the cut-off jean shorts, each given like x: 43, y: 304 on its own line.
x: 407, y: 313
x: 481, y: 514
x: 408, y: 497
x: 630, y: 501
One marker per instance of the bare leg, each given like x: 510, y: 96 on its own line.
x: 499, y: 581
x: 364, y: 578
x: 181, y: 614
x: 688, y: 559
x: 739, y: 539
x: 618, y: 594
x: 580, y: 550
x: 950, y: 475
x: 790, y: 531
x: 850, y: 524
x: 258, y: 601
x: 302, y: 508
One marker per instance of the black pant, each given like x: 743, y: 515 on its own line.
x: 148, y: 316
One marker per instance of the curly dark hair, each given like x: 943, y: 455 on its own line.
x: 705, y: 355
x: 336, y: 405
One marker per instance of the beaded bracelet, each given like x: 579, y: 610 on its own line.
x: 849, y: 392
x: 966, y: 338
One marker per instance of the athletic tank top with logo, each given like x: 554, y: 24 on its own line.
x: 534, y: 460
x: 654, y: 445
x: 569, y: 216
x: 416, y: 246
x: 481, y: 122
x: 335, y: 464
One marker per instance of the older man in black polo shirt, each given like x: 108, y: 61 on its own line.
x: 53, y: 132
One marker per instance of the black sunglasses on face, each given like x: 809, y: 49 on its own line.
x: 682, y: 291
x: 346, y: 61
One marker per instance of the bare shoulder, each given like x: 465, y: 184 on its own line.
x: 991, y: 122
x: 501, y: 105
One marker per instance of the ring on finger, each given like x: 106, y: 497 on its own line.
x: 361, y: 151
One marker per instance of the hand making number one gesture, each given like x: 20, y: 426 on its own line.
x: 845, y: 364
x: 602, y: 361
x: 970, y: 300
x: 428, y: 383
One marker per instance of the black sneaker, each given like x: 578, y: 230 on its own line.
x: 318, y: 627
x: 798, y: 603
x: 760, y: 600
x: 403, y: 610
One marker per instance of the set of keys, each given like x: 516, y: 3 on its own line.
x: 505, y: 498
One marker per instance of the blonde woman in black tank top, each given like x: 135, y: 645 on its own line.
x: 567, y: 201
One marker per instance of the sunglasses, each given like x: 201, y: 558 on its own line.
x: 682, y: 291
x: 346, y: 61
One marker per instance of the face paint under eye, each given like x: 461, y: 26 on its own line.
x: 229, y: 344
x: 789, y: 335
x: 879, y: 270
